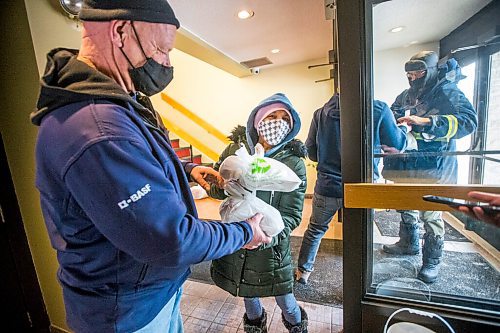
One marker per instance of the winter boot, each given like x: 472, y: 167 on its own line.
x: 258, y: 325
x: 432, y: 252
x: 297, y: 328
x: 408, y: 240
x: 302, y: 276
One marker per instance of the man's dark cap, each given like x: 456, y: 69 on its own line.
x: 422, y: 61
x: 153, y: 11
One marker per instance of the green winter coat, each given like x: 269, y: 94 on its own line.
x: 268, y: 270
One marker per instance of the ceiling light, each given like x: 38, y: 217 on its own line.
x: 244, y: 14
x: 397, y: 29
x: 413, y: 42
x: 275, y: 51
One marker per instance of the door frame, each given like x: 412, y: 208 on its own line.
x: 362, y: 312
x: 12, y: 224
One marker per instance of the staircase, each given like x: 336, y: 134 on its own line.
x: 194, y: 139
x: 185, y: 153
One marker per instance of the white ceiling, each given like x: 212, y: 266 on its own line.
x: 297, y: 27
x: 300, y: 30
x: 424, y: 20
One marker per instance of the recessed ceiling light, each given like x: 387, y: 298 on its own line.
x: 397, y: 29
x: 275, y: 51
x: 244, y: 14
x: 413, y: 42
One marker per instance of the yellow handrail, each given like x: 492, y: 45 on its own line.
x: 204, y: 149
x: 195, y: 118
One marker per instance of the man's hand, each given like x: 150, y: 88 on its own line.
x: 478, y: 212
x: 415, y: 120
x: 405, y: 125
x: 259, y: 237
x: 389, y: 150
x: 205, y: 176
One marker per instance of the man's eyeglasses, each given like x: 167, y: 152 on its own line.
x: 413, y: 75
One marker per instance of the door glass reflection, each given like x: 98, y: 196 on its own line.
x: 435, y: 120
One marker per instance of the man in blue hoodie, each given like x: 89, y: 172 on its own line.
x: 115, y: 197
x: 324, y: 146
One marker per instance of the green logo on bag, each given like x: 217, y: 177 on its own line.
x: 259, y: 165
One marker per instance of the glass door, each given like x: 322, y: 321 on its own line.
x: 418, y: 113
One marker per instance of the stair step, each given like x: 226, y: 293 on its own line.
x: 175, y: 143
x: 183, y: 152
x: 197, y: 159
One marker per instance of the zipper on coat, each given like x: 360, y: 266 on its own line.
x: 272, y: 197
x: 242, y: 273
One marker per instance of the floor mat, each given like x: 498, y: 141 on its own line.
x: 325, y: 284
x: 388, y: 224
x: 466, y: 274
x: 461, y: 274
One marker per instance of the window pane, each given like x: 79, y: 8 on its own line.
x: 491, y: 168
x: 427, y: 128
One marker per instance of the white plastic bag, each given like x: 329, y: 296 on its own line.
x: 235, y: 208
x: 198, y: 192
x: 256, y: 172
x: 244, y: 174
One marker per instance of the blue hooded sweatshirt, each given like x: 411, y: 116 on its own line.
x: 116, y: 201
x: 324, y: 146
x: 385, y: 132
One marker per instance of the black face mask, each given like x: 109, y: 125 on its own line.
x: 152, y: 77
x: 417, y: 84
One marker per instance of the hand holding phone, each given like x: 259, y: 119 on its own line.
x: 453, y: 202
x: 487, y: 211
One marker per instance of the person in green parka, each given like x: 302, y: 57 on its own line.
x: 267, y: 270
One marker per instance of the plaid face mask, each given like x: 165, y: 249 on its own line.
x: 274, y: 131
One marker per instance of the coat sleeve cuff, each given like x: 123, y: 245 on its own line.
x: 188, y: 167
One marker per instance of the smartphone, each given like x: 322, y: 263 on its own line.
x: 453, y: 202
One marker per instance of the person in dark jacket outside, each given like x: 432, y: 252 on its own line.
x: 439, y: 114
x: 268, y: 270
x: 324, y: 146
x: 114, y: 196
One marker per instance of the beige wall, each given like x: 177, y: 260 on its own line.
x: 226, y: 101
x: 50, y: 28
x: 218, y: 97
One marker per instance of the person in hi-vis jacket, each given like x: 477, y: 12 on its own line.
x: 439, y: 114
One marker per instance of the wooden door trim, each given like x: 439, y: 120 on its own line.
x: 405, y: 196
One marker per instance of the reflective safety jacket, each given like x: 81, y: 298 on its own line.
x: 452, y: 117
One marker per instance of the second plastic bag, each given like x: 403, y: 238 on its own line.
x: 244, y: 174
x: 236, y: 208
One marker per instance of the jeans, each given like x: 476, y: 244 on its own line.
x: 287, y: 303
x: 323, y: 210
x: 169, y: 319
x: 433, y: 221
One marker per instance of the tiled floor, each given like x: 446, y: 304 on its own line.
x: 206, y: 308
